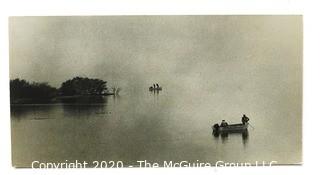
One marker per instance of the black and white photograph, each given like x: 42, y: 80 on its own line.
x: 155, y: 91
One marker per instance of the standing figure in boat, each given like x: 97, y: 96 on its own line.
x: 245, y: 119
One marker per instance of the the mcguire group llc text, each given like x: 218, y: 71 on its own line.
x: 145, y: 164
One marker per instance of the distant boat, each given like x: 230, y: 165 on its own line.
x: 155, y: 89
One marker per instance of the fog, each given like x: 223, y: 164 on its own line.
x: 210, y: 68
x: 192, y: 51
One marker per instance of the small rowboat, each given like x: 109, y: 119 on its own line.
x: 155, y: 89
x: 233, y: 128
x: 225, y: 128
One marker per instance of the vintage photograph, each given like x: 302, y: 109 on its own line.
x: 155, y: 91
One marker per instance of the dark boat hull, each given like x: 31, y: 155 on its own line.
x: 155, y: 89
x: 234, y: 128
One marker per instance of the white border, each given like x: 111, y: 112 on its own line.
x: 171, y: 7
x: 150, y: 7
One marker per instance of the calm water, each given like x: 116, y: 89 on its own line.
x: 168, y: 126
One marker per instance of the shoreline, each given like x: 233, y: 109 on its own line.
x: 61, y: 99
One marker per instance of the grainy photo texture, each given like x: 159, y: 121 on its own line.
x: 148, y: 91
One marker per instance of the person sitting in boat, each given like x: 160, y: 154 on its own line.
x: 157, y: 85
x: 244, y: 119
x: 223, y: 123
x: 154, y: 86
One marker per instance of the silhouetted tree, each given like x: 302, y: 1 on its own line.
x: 83, y: 86
x: 21, y: 89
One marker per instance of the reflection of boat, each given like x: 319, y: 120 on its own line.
x: 230, y: 128
x: 155, y: 89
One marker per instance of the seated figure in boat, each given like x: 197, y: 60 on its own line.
x: 223, y: 123
x: 244, y: 119
x: 157, y: 85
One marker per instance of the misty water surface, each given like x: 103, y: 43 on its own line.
x: 154, y: 127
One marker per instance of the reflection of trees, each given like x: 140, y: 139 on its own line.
x: 85, y: 106
x: 33, y: 111
x: 84, y: 99
x: 85, y: 110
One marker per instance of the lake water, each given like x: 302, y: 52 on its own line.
x: 169, y: 125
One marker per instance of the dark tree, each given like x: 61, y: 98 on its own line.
x: 36, y: 92
x: 83, y: 86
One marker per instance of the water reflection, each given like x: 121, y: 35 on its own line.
x: 245, y: 137
x: 155, y: 94
x: 149, y: 126
x: 116, y: 97
x: 37, y: 112
x: 84, y: 99
x: 71, y: 107
x: 85, y: 110
x: 225, y: 136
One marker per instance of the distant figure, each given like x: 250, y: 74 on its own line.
x: 154, y: 86
x: 223, y: 123
x: 157, y: 85
x: 244, y: 119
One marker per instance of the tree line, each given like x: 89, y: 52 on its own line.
x: 22, y: 90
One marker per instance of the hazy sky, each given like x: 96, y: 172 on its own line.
x: 194, y: 51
